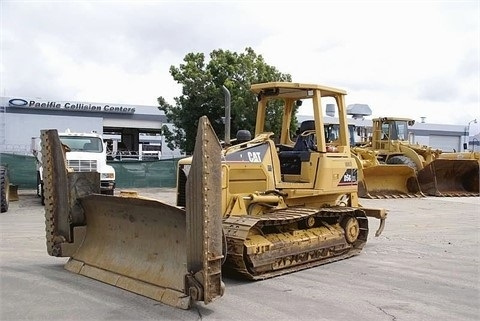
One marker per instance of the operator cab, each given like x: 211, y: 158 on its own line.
x: 301, y: 158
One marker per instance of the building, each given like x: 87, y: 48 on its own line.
x: 130, y: 125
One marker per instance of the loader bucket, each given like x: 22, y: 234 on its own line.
x: 13, y: 192
x: 142, y: 245
x: 389, y: 181
x: 450, y: 177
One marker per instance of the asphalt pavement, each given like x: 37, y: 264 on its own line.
x: 425, y: 266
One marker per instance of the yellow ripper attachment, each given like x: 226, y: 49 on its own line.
x: 389, y: 181
x: 450, y: 177
x: 138, y: 244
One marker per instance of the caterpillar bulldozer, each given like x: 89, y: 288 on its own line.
x: 257, y: 209
x: 289, y: 203
x: 423, y: 170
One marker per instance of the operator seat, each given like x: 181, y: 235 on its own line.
x: 291, y: 160
x: 305, y: 143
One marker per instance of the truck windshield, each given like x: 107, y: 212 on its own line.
x: 82, y: 144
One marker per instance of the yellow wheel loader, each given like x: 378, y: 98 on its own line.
x: 260, y: 208
x: 376, y: 179
x: 425, y: 169
x: 395, y: 178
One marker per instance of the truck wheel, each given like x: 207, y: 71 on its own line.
x: 402, y: 160
x: 39, y: 181
x: 5, y: 185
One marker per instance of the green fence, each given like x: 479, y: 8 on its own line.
x: 22, y: 170
x: 162, y: 173
x: 139, y: 174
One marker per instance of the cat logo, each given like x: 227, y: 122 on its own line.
x: 254, y: 157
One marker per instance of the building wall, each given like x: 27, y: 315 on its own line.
x: 20, y: 128
x: 447, y: 138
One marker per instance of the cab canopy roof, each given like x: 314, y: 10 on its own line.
x: 392, y: 119
x: 293, y: 90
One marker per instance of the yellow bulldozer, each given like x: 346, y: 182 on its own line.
x: 260, y: 208
x: 391, y: 160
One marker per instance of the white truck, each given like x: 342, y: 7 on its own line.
x: 86, y: 152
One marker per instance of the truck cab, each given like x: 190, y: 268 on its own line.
x: 85, y: 152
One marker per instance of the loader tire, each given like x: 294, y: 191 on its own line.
x: 5, y: 185
x: 402, y: 160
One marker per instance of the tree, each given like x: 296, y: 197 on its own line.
x: 202, y: 94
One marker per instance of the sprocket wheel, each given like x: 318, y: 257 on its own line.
x: 352, y: 229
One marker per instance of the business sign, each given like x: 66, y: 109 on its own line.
x: 69, y: 106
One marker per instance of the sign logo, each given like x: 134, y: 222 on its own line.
x: 54, y: 105
x: 254, y: 157
x: 18, y: 102
x: 253, y: 154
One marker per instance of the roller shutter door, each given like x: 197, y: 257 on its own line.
x: 446, y: 143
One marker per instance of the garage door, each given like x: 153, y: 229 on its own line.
x: 446, y: 143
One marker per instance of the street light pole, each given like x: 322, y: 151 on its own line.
x: 467, y: 134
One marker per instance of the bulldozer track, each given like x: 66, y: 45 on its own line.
x: 291, y: 255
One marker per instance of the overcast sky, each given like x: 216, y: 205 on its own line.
x: 402, y: 58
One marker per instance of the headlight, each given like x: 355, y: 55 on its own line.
x: 107, y: 176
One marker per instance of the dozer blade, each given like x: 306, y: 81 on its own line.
x: 141, y: 245
x: 389, y: 181
x: 135, y: 244
x: 450, y: 177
